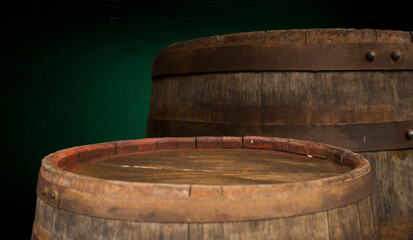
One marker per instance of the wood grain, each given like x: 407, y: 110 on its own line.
x: 217, y: 167
x: 74, y: 226
x: 399, y: 228
x: 394, y: 186
x: 236, y: 89
x: 312, y: 226
x: 394, y: 189
x: 292, y: 98
x: 340, y: 223
x: 182, y: 97
x: 366, y: 218
x: 206, y: 231
x: 344, y: 223
x: 400, y: 169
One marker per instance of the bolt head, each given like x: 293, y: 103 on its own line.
x: 396, y: 55
x: 370, y: 55
x: 53, y: 195
x: 409, y: 133
x: 44, y: 191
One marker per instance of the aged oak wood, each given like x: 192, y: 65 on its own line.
x: 335, y: 97
x: 210, y: 167
x: 394, y: 184
x: 205, y: 188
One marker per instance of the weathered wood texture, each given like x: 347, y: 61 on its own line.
x: 211, y: 167
x: 53, y: 223
x: 340, y: 223
x: 301, y: 104
x: 394, y: 191
x: 285, y: 98
x: 73, y: 205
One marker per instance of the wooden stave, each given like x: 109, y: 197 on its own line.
x: 323, y: 225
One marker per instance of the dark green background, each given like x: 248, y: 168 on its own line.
x: 76, y: 73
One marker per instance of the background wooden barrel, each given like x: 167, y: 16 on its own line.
x: 206, y: 188
x: 346, y: 87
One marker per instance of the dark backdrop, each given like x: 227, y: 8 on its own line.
x: 76, y: 73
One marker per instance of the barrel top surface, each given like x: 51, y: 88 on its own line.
x: 210, y: 167
x: 153, y: 160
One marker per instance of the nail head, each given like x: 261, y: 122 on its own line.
x: 396, y: 55
x: 370, y: 55
x: 409, y: 133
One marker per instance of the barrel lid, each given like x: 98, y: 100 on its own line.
x: 61, y: 187
x: 210, y: 167
x: 289, y: 50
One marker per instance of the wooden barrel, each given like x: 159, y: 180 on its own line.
x: 206, y: 188
x: 345, y: 87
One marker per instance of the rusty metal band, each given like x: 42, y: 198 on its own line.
x: 361, y: 137
x: 188, y: 209
x: 286, y: 57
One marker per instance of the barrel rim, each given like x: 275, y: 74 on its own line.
x: 358, y: 163
x: 308, y: 35
x: 174, y: 202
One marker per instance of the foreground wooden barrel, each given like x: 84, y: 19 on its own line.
x: 206, y: 188
x: 345, y: 87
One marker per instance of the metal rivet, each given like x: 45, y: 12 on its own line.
x: 396, y: 55
x: 44, y: 191
x: 409, y: 133
x: 370, y: 55
x: 53, y: 195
